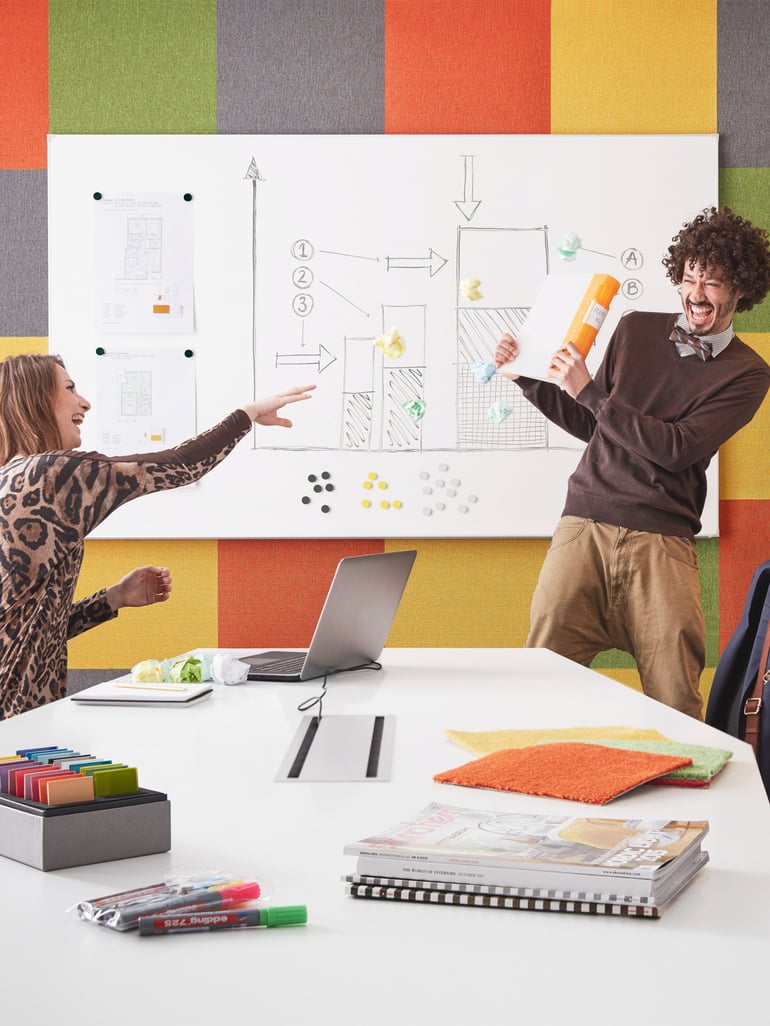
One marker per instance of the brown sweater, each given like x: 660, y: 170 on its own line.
x: 48, y: 504
x: 652, y: 421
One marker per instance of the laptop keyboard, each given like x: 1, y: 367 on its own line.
x: 287, y: 664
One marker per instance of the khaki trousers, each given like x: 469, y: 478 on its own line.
x: 604, y: 587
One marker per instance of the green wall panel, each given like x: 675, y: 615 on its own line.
x: 132, y: 66
x: 747, y: 191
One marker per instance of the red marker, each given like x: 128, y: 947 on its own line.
x: 208, y: 898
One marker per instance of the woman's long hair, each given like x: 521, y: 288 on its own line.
x: 27, y: 421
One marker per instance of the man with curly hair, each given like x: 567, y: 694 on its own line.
x: 622, y: 569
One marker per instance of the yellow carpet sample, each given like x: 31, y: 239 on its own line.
x: 487, y: 741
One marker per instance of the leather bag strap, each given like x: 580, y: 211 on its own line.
x: 752, y: 707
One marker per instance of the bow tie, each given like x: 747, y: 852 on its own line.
x: 699, y: 345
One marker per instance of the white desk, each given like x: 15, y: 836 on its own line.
x: 368, y: 962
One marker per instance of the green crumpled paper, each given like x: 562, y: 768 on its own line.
x: 187, y: 670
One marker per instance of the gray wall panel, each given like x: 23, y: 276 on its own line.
x: 300, y: 66
x: 743, y: 82
x: 23, y: 253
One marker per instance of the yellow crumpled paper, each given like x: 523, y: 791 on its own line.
x: 391, y: 343
x: 470, y: 289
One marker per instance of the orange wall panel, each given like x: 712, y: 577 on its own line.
x: 463, y: 66
x: 742, y: 547
x: 23, y: 83
x: 271, y: 592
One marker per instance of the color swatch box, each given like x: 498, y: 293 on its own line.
x: 59, y: 837
x: 59, y: 808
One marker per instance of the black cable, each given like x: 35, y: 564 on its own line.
x: 308, y: 703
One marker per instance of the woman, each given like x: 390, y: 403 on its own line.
x: 52, y: 497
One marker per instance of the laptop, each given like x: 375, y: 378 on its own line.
x: 354, y: 623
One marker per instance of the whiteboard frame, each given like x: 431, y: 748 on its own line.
x: 395, y: 224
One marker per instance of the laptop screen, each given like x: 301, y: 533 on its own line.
x: 355, y: 620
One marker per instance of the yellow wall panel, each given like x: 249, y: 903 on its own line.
x: 636, y: 66
x: 744, y: 472
x: 15, y: 346
x: 631, y: 679
x: 187, y: 620
x: 627, y: 676
x: 468, y: 593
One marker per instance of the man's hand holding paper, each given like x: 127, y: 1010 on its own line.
x: 507, y: 350
x: 568, y: 369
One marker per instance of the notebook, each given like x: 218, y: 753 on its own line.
x: 354, y: 623
x: 125, y: 691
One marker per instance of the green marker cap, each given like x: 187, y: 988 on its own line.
x: 287, y: 915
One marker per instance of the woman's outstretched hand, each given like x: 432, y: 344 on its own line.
x: 265, y: 411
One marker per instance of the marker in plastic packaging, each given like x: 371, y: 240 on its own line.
x: 202, y: 922
x: 211, y: 898
x: 125, y: 914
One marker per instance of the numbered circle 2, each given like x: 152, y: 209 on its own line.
x: 302, y: 277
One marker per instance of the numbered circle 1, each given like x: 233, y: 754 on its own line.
x: 302, y: 304
x: 302, y: 277
x: 302, y: 250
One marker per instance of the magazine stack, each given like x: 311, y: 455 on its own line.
x: 445, y: 855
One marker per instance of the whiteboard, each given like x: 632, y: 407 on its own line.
x: 307, y: 250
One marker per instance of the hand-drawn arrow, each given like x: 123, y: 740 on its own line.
x: 468, y: 205
x: 254, y: 176
x: 434, y: 261
x: 323, y: 358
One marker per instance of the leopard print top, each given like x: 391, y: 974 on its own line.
x: 49, y: 503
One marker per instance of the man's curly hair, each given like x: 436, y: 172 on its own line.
x: 722, y: 240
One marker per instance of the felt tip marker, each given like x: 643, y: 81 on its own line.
x: 237, y: 919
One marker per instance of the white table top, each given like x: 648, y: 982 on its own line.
x: 379, y: 962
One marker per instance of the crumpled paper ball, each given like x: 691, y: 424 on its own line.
x: 569, y: 246
x: 391, y: 343
x: 499, y: 411
x: 148, y: 671
x: 188, y: 669
x: 470, y: 289
x: 483, y: 371
x: 415, y: 408
x: 228, y: 669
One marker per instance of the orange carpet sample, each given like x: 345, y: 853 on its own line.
x: 578, y: 772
